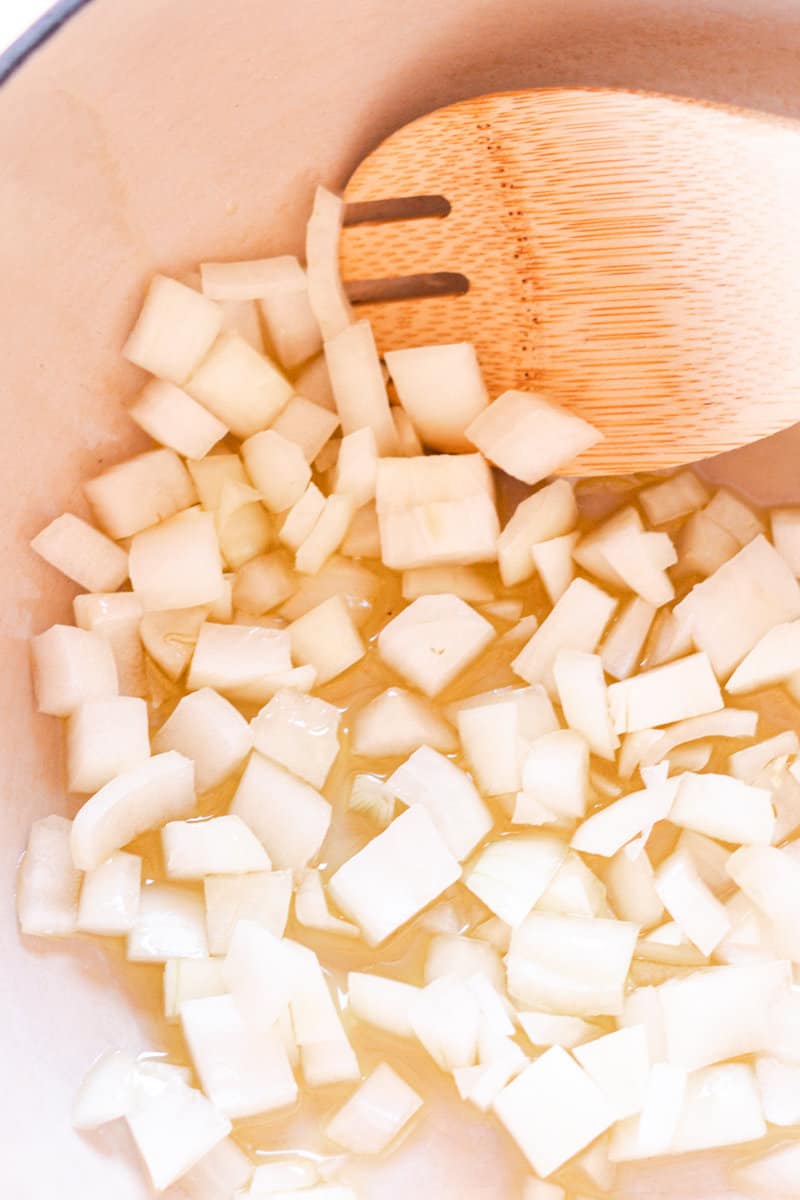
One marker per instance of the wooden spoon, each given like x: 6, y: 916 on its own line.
x: 634, y: 257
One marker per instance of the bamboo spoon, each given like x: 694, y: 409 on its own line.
x: 634, y: 257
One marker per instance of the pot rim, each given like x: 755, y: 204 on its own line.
x: 38, y: 33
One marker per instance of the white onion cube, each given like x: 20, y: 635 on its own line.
x: 449, y: 795
x: 244, y: 662
x: 575, y: 966
x: 583, y: 695
x: 326, y: 639
x: 140, y: 492
x: 174, y: 330
x: 382, y: 1002
x: 48, y: 883
x: 619, y: 1063
x: 299, y: 732
x: 358, y: 386
x: 110, y: 893
x: 442, y: 390
x: 724, y: 808
x: 576, y: 622
x: 174, y: 1129
x: 170, y: 923
x: 263, y: 897
x: 287, y: 815
x: 433, y: 640
x: 553, y: 1110
x: 177, y: 564
x: 244, y: 1071
x: 510, y: 875
x: 308, y: 425
x: 397, y: 722
x: 174, y: 419
x: 277, y: 467
x: 394, y: 876
x: 82, y: 553
x: 206, y: 728
x: 375, y: 1113
x: 215, y: 846
x: 241, y: 387
x: 105, y: 738
x: 71, y: 666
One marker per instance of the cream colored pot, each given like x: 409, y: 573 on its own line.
x: 147, y: 134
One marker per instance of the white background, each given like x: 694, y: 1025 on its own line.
x: 17, y: 15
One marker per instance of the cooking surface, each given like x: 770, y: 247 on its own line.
x: 168, y: 150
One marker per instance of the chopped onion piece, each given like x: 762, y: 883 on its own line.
x: 436, y: 509
x: 446, y: 1019
x: 530, y: 437
x: 326, y: 1054
x: 554, y: 564
x: 326, y: 536
x: 302, y: 517
x: 747, y: 764
x: 779, y: 1087
x: 110, y: 893
x: 728, y: 722
x: 216, y: 846
x: 574, y: 891
x: 358, y: 385
x: 244, y: 662
x: 48, y: 883
x: 724, y: 808
x: 492, y: 744
x: 288, y: 816
x: 397, y: 722
x: 575, y: 966
x: 653, y: 1133
x: 357, y: 466
x: 694, y: 1034
x: 174, y: 330
x: 722, y: 1107
x: 308, y: 425
x: 674, y: 692
x: 326, y: 639
x: 548, y: 1029
x: 553, y: 1110
x: 207, y: 729
x: 218, y: 1173
x: 160, y: 790
x: 259, y: 972
x: 583, y: 696
x: 382, y: 1002
x: 70, y: 667
x: 550, y: 513
x: 555, y: 774
x: 607, y: 831
x: 105, y: 738
x: 115, y: 616
x: 282, y: 1175
x: 311, y: 907
x: 676, y: 497
x: 170, y: 923
x: 170, y: 416
x: 510, y: 875
x: 107, y: 1091
x: 619, y: 1063
x: 363, y: 538
x: 576, y: 622
x: 82, y: 553
x: 241, y: 387
x: 263, y: 897
x: 732, y: 514
x: 465, y: 582
x: 299, y: 732
x: 177, y: 563
x: 277, y: 467
x: 376, y: 1112
x: 771, y: 879
x: 442, y: 390
x: 640, y: 559
x: 139, y: 492
x: 730, y: 611
x: 169, y: 637
x: 191, y: 979
x: 772, y: 660
x: 243, y: 1070
x: 354, y: 583
x: 481, y: 1084
x: 691, y: 903
x: 325, y: 290
x: 433, y: 640
x: 703, y: 546
x: 631, y: 889
x: 370, y: 797
x: 174, y: 1129
x: 621, y: 650
x: 429, y: 779
x: 395, y: 875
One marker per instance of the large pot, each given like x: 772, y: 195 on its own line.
x: 148, y: 135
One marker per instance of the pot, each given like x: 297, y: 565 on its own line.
x: 148, y: 136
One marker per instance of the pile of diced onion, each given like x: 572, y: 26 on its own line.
x: 561, y: 754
